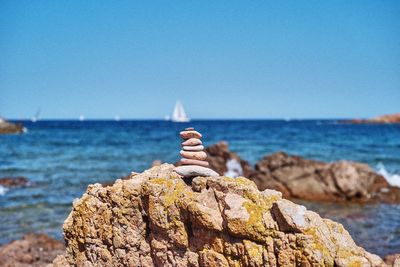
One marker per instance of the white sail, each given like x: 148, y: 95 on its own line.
x: 35, y: 118
x: 179, y: 114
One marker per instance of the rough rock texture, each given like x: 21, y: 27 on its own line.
x: 219, y: 155
x: 391, y: 118
x: 13, y: 181
x: 313, y: 180
x: 32, y: 250
x: 393, y: 260
x: 10, y: 128
x: 156, y: 219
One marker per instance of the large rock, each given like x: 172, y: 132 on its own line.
x: 31, y: 250
x: 10, y: 128
x: 156, y: 219
x: 306, y: 179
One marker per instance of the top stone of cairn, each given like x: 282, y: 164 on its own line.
x: 190, y: 133
x: 193, y: 160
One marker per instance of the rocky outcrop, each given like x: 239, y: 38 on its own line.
x: 32, y: 250
x: 391, y: 118
x: 13, y: 181
x: 306, y: 179
x: 10, y: 128
x: 156, y: 219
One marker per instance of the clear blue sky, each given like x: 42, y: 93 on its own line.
x: 223, y: 59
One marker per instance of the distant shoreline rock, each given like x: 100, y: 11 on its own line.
x: 10, y: 128
x: 385, y: 119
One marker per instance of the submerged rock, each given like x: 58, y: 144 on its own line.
x: 156, y: 219
x: 297, y: 177
x: 10, y: 128
x: 31, y: 250
x: 13, y: 181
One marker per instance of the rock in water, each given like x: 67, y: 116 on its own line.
x: 13, y: 181
x: 156, y: 219
x: 32, y: 250
x: 301, y: 178
x: 10, y: 128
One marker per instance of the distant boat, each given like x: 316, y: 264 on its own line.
x: 36, y: 116
x: 167, y: 117
x: 179, y: 114
x: 117, y: 118
x: 81, y: 118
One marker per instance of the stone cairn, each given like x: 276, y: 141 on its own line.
x: 193, y: 157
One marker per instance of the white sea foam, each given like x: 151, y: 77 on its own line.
x: 234, y: 169
x: 3, y: 190
x: 393, y: 179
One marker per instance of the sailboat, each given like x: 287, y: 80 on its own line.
x: 36, y: 117
x: 179, y: 114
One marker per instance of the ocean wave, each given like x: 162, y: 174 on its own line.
x: 3, y: 190
x: 234, y: 169
x: 393, y: 179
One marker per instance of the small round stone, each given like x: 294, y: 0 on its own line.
x: 198, y: 155
x: 192, y: 142
x: 193, y: 148
x: 195, y: 162
x: 190, y: 134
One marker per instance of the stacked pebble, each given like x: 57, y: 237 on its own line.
x: 193, y: 157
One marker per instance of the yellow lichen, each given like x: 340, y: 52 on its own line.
x: 174, y: 189
x: 318, y: 245
x: 355, y: 263
x: 254, y: 251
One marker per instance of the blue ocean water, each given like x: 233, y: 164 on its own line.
x: 60, y: 158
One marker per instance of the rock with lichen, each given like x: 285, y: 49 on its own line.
x: 156, y: 219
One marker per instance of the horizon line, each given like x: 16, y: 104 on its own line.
x: 193, y: 119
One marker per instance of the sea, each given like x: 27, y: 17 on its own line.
x: 60, y: 158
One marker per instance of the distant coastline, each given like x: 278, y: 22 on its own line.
x: 384, y: 119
